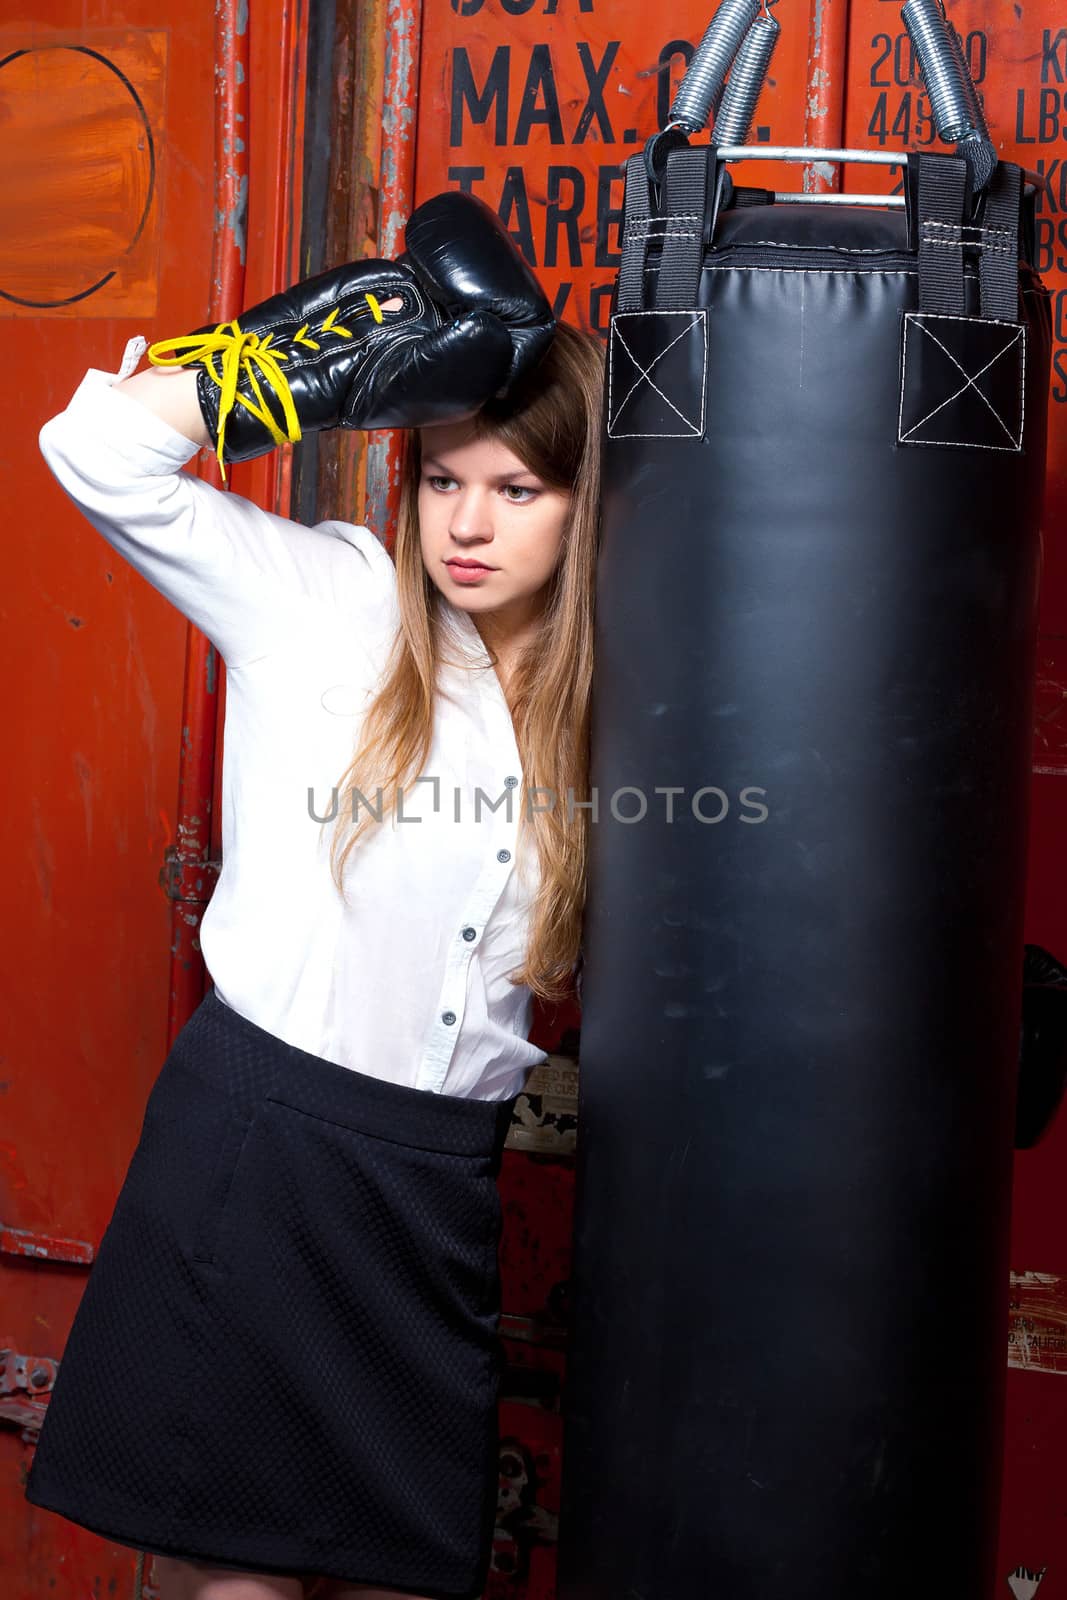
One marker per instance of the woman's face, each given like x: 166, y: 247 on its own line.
x: 478, y: 503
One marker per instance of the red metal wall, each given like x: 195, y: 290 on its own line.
x: 109, y: 189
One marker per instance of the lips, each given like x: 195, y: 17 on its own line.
x: 471, y: 566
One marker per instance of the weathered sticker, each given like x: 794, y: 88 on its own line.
x: 1037, y: 1328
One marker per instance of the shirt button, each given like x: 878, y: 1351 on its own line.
x: 503, y: 855
x: 511, y: 783
x: 470, y: 933
x: 448, y: 1016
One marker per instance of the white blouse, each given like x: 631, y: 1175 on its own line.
x: 408, y: 981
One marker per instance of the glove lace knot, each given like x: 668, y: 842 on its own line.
x: 239, y: 355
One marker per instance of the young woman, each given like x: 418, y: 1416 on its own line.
x: 282, y: 1377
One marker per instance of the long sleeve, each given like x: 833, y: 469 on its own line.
x: 243, y: 575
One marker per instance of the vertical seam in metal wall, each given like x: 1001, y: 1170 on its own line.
x: 826, y: 88
x: 403, y: 50
x: 196, y: 768
x: 322, y: 25
x: 289, y: 157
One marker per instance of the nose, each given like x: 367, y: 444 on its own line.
x: 470, y: 521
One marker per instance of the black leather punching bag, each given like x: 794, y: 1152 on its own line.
x: 816, y: 620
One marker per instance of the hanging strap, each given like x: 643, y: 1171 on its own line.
x: 635, y: 232
x: 944, y: 233
x: 679, y: 226
x: 942, y: 199
x: 999, y: 244
x: 682, y: 228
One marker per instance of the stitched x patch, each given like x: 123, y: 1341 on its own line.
x: 657, y: 375
x: 962, y: 382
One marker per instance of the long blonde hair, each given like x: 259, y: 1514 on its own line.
x: 552, y: 424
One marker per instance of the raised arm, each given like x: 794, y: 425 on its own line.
x: 244, y: 576
x: 367, y: 345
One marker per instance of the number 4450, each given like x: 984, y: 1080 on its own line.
x: 912, y: 121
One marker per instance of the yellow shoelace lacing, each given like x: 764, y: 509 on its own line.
x: 242, y: 352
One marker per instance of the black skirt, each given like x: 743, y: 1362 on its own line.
x: 286, y: 1357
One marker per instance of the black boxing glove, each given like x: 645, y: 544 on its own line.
x: 366, y: 346
x: 466, y: 261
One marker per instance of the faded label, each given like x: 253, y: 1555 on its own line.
x: 1037, y: 1329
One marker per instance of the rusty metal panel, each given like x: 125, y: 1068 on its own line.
x: 108, y: 213
x: 81, y: 233
x: 402, y: 55
x: 341, y: 223
x: 97, y: 657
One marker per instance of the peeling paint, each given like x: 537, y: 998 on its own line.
x: 378, y: 486
x: 824, y: 108
x: 403, y: 38
x: 818, y: 29
x: 402, y: 53
x: 236, y: 220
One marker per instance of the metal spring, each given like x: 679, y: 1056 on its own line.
x: 975, y: 113
x: 745, y: 83
x: 944, y: 71
x: 701, y: 89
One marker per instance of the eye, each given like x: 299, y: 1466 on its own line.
x: 517, y: 494
x: 441, y: 484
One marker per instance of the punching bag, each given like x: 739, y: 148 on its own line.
x: 816, y: 619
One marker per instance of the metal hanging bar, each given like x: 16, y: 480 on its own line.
x: 799, y: 152
x: 868, y: 158
x: 895, y: 202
